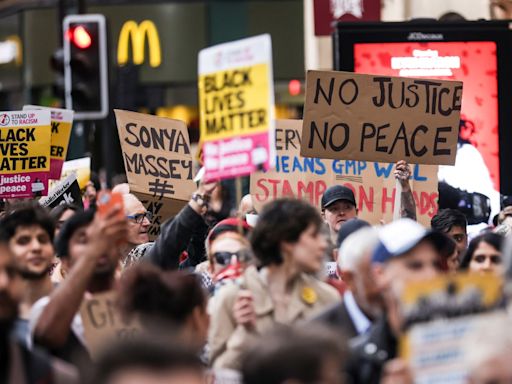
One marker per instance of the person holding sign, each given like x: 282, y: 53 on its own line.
x: 186, y: 232
x: 89, y: 247
x: 339, y: 203
x: 290, y: 247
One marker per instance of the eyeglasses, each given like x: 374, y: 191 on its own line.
x: 224, y: 258
x: 139, y: 217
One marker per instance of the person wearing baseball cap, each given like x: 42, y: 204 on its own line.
x: 339, y: 203
x: 406, y: 252
x: 338, y: 206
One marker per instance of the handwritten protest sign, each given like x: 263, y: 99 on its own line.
x: 236, y: 100
x: 440, y: 315
x: 62, y: 122
x: 24, y: 153
x: 103, y: 323
x: 162, y: 209
x: 81, y: 167
x: 308, y: 178
x: 158, y: 163
x: 381, y: 118
x: 65, y: 191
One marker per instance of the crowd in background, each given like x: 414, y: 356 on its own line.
x: 296, y: 296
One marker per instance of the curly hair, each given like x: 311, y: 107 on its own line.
x: 282, y: 220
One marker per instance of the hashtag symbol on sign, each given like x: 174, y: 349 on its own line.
x: 160, y: 189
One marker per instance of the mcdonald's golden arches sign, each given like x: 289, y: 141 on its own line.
x: 136, y: 34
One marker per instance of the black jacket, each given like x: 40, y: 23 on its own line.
x: 338, y: 318
x: 369, y: 353
x: 186, y: 232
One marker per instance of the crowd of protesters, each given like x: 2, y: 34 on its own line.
x: 284, y: 295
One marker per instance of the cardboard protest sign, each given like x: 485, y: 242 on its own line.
x: 65, y: 191
x: 103, y: 323
x: 158, y: 163
x: 381, y: 118
x: 81, y: 167
x: 24, y: 153
x: 62, y: 122
x: 308, y: 178
x: 163, y: 209
x: 236, y: 105
x: 440, y: 315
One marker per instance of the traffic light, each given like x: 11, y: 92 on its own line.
x: 85, y: 66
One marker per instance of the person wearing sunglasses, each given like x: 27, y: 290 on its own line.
x: 484, y: 254
x: 226, y: 245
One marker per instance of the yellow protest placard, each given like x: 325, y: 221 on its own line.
x: 82, y: 168
x: 62, y: 122
x: 236, y: 100
x: 25, y: 138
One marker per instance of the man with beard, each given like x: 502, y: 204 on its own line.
x: 89, y: 247
x: 29, y: 231
x: 19, y: 365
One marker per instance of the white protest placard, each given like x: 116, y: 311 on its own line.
x: 236, y: 107
x: 65, y: 191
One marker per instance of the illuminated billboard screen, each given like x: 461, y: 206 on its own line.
x: 476, y: 53
x: 475, y: 64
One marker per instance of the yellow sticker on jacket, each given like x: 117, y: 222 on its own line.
x: 309, y: 295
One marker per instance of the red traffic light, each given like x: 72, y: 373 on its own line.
x: 80, y: 37
x: 294, y: 87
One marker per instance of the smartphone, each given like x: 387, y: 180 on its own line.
x: 106, y: 200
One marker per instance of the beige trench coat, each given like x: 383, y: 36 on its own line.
x: 227, y: 340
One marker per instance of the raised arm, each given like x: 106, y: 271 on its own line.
x: 53, y: 327
x: 175, y: 236
x: 407, y: 203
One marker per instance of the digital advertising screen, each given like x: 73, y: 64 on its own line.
x: 477, y: 167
